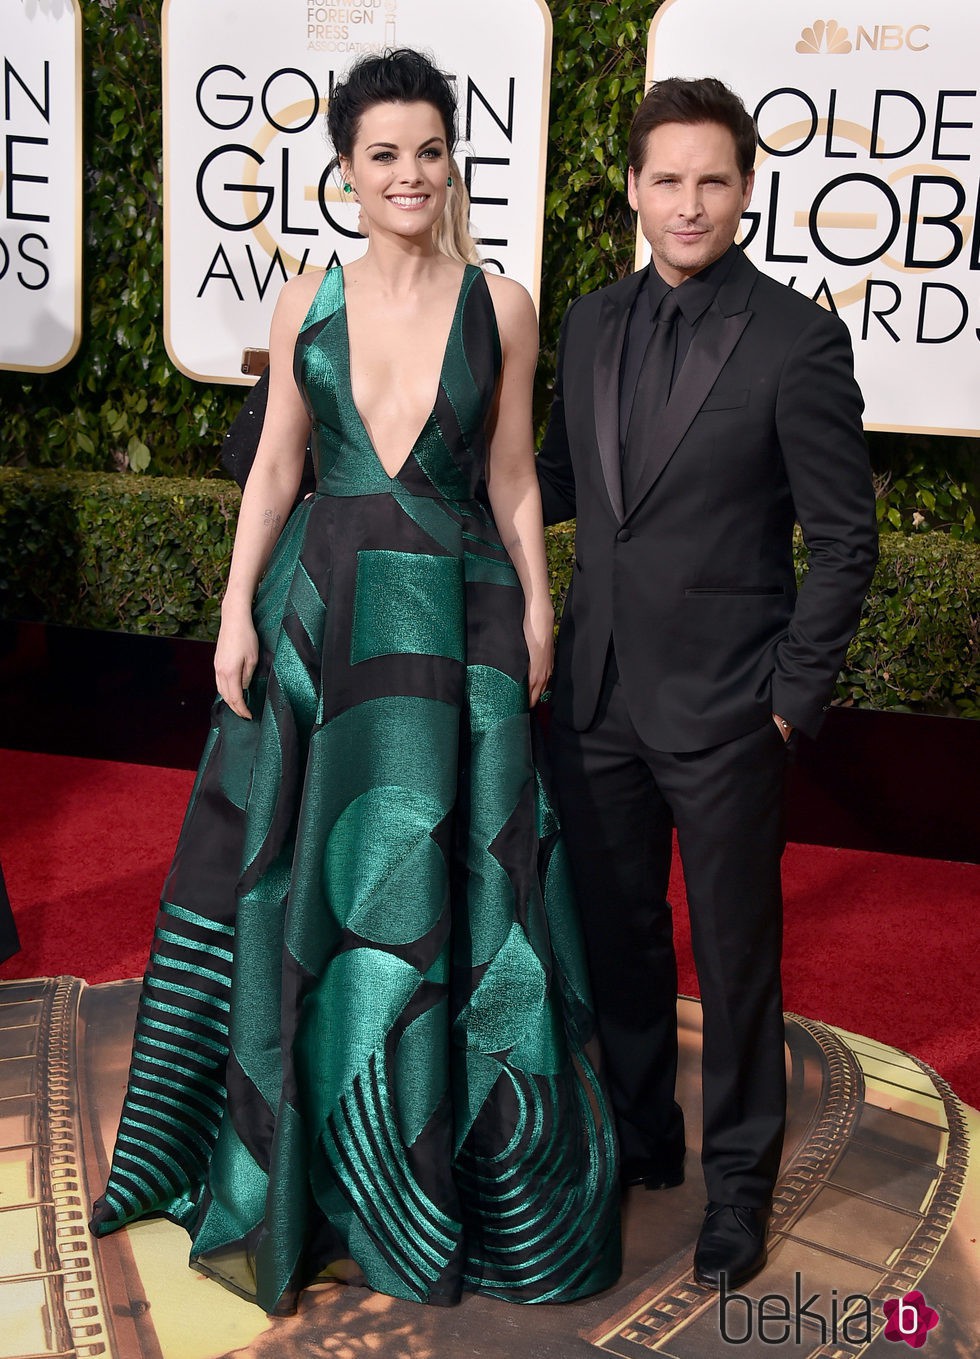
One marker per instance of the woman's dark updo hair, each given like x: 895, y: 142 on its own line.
x: 401, y: 76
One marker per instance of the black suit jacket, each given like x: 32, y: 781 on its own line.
x: 693, y: 581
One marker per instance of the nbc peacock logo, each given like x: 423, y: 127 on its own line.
x: 824, y: 36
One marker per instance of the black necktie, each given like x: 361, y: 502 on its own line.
x: 656, y: 372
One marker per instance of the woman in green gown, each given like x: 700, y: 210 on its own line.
x: 365, y: 1045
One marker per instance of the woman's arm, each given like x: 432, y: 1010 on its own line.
x: 512, y: 481
x: 268, y: 497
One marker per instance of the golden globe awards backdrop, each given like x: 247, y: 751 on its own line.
x: 40, y: 184
x: 247, y: 199
x: 866, y: 193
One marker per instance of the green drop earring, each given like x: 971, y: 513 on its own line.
x: 449, y: 182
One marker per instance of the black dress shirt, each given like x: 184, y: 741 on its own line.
x: 694, y: 296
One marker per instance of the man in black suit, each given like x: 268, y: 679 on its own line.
x: 700, y: 410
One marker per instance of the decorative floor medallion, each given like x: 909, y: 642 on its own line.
x: 875, y: 1225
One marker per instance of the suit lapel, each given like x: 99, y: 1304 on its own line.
x: 610, y: 338
x: 719, y: 332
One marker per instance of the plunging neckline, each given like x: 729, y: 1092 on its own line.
x: 393, y: 476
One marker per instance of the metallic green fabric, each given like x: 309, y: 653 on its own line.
x: 365, y: 1036
x: 408, y: 602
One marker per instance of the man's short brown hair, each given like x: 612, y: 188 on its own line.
x: 693, y: 101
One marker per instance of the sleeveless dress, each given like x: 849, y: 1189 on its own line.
x: 365, y: 1044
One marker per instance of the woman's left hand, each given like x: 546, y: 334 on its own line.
x: 539, y: 634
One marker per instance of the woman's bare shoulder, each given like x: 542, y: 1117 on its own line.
x: 506, y: 291
x: 302, y: 288
x: 293, y: 304
x: 295, y: 299
x: 512, y: 305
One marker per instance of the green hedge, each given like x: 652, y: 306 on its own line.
x: 918, y: 646
x: 97, y: 550
x: 150, y: 555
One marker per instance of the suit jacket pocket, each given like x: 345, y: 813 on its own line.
x: 736, y: 590
x: 725, y: 400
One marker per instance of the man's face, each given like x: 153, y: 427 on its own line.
x: 689, y: 195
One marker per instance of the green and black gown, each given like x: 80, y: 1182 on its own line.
x: 365, y: 1044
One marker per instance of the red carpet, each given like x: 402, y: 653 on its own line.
x: 882, y: 945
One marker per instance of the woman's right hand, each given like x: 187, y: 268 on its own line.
x: 235, y: 658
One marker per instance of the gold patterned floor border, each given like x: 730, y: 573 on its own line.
x: 873, y: 1188
x: 62, y: 1290
x: 659, y: 1318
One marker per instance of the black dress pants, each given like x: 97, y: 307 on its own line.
x: 619, y: 800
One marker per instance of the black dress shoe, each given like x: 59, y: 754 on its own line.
x: 732, y: 1243
x: 650, y: 1174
